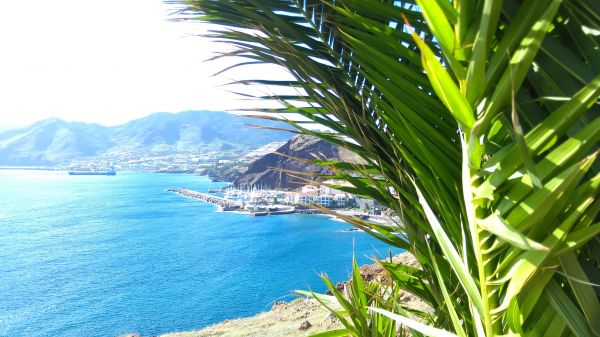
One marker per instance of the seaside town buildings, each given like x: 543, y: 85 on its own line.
x: 308, y: 195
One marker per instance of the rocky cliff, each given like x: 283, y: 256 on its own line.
x: 269, y: 170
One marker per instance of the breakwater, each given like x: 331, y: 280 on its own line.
x: 226, y: 205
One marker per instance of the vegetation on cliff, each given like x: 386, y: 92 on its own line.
x: 478, y: 121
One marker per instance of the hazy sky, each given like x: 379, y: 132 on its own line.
x: 106, y: 61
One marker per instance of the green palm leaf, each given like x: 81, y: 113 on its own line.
x: 478, y: 121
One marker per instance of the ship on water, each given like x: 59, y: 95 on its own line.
x: 88, y: 172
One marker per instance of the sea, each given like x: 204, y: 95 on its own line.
x: 109, y: 255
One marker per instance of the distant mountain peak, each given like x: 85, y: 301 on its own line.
x: 54, y: 140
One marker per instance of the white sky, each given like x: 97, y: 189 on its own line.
x: 106, y: 61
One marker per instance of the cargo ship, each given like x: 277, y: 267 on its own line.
x: 109, y: 172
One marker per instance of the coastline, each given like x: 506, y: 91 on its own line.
x: 301, y: 316
x: 229, y: 206
x: 297, y: 318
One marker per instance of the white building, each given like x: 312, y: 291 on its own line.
x: 304, y: 198
x: 341, y: 199
x: 324, y: 200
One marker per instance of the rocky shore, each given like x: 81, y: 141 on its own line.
x: 300, y: 317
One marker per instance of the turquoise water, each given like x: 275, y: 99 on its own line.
x: 102, y: 256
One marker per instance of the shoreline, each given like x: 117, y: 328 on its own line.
x: 226, y: 205
x: 348, y: 212
x: 296, y: 318
x: 299, y: 317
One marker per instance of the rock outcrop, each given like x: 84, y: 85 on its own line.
x: 286, y: 319
x: 273, y: 170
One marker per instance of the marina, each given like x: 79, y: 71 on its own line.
x: 258, y: 202
x: 228, y: 205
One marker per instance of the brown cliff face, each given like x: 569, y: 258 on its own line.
x: 264, y: 171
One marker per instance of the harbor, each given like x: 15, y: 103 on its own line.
x: 228, y: 205
x: 259, y: 202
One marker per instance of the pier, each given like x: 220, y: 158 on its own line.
x: 227, y: 205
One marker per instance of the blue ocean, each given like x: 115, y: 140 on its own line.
x: 103, y: 256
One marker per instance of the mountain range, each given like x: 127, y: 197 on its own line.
x: 53, y: 141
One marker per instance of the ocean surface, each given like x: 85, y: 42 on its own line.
x: 103, y: 256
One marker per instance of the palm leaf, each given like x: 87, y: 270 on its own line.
x: 478, y: 122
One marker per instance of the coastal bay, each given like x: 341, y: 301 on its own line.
x: 102, y: 256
